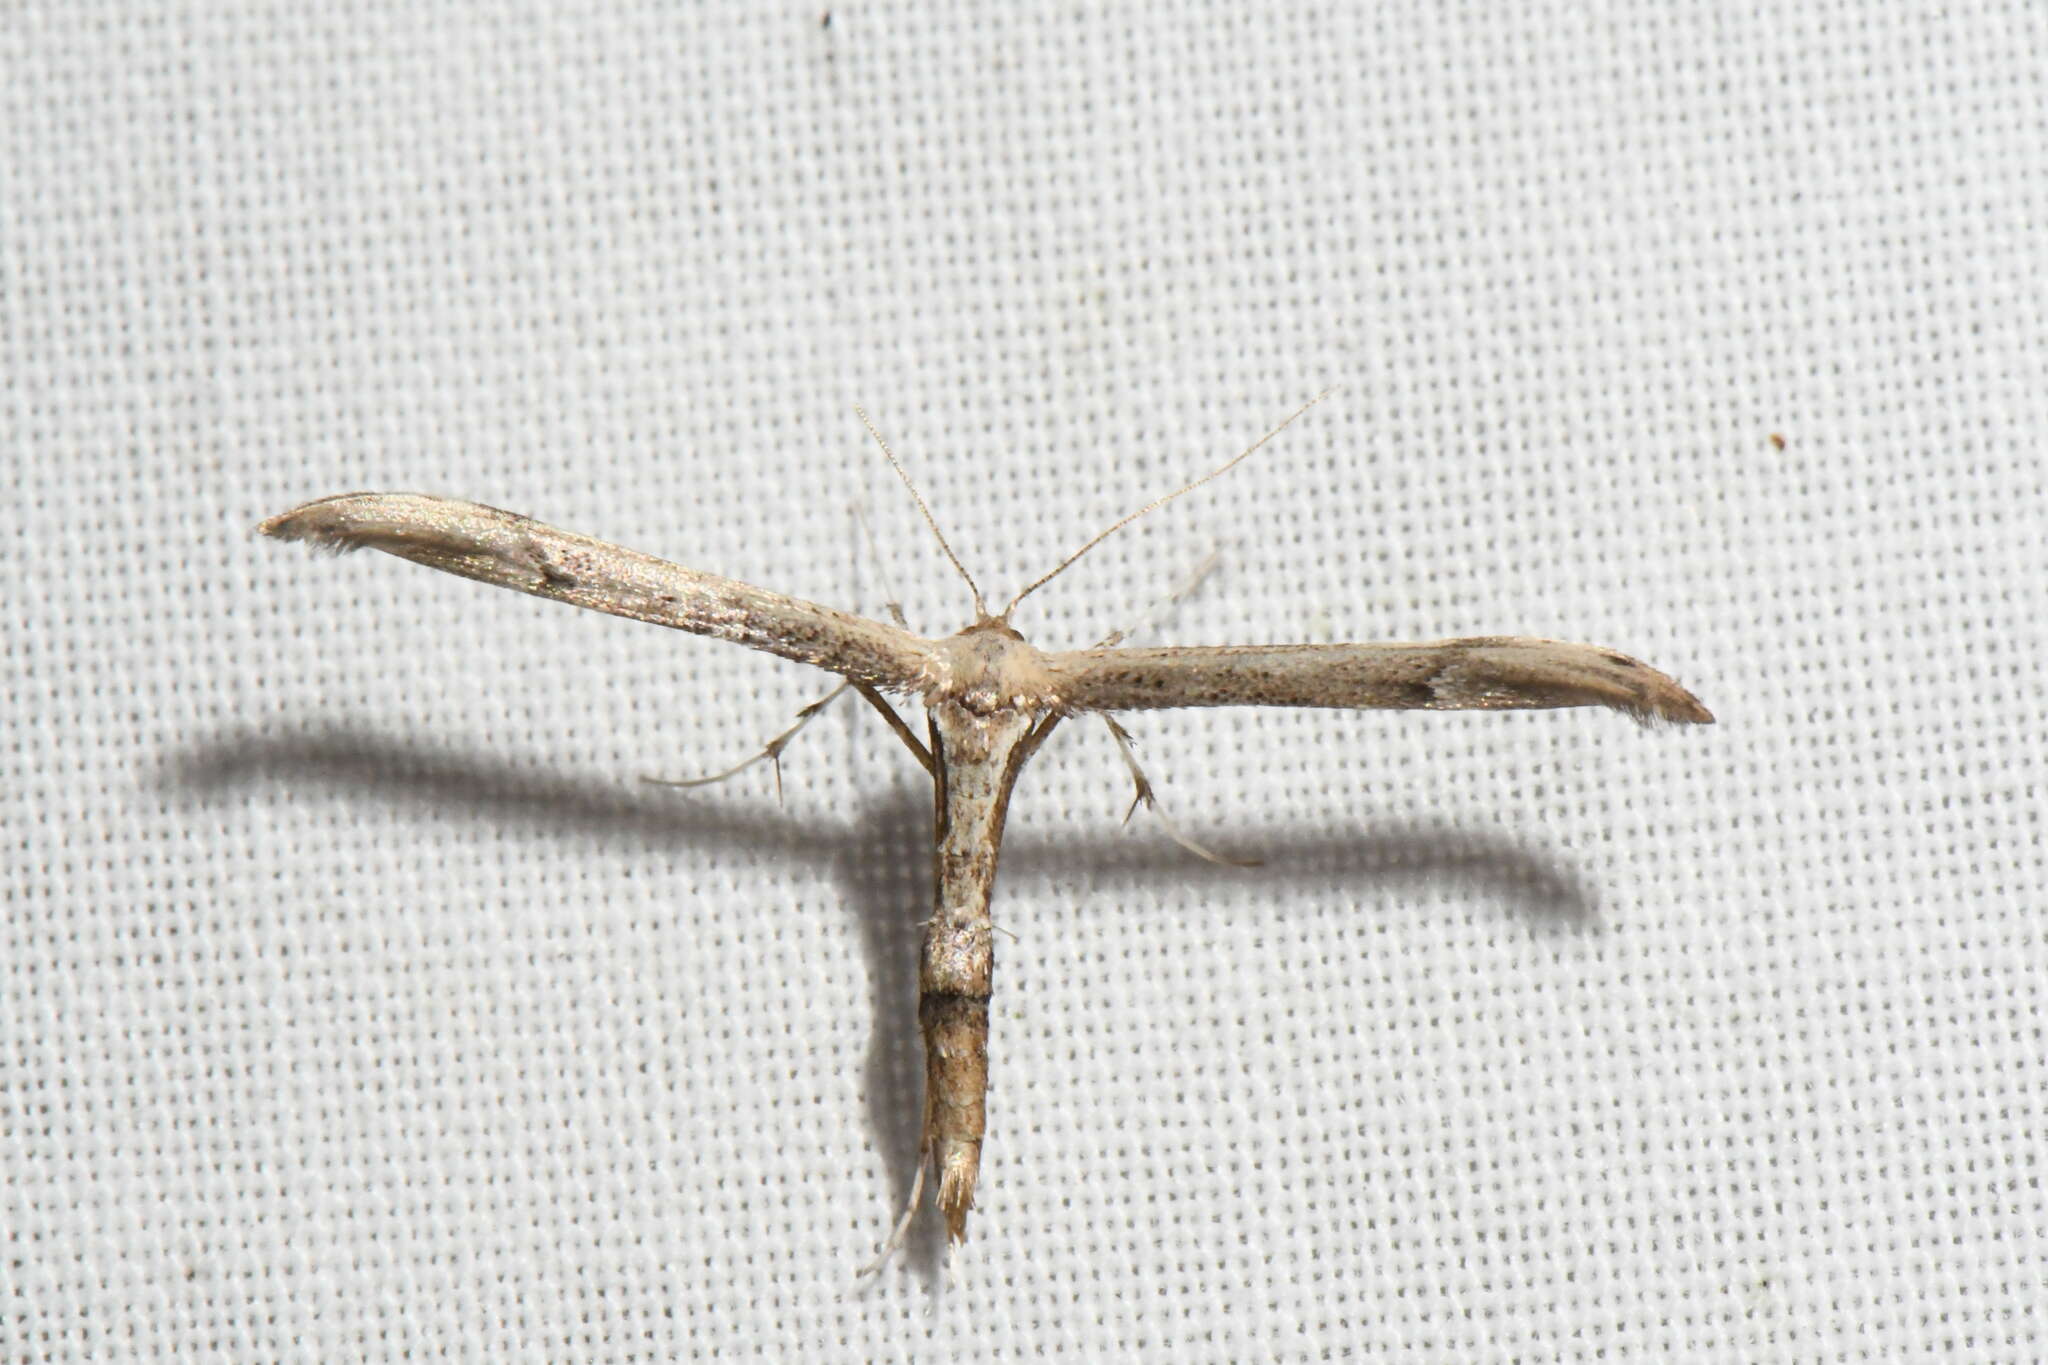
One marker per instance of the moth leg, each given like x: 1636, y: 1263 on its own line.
x: 1158, y: 610
x: 894, y: 606
x: 916, y: 746
x: 771, y: 751
x: 1143, y: 795
x: 895, y: 1241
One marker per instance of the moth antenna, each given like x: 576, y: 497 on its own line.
x: 980, y: 607
x: 1156, y: 503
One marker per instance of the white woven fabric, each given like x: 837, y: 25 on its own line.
x: 359, y: 1001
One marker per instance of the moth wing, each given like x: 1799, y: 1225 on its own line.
x: 512, y: 551
x: 1487, y: 673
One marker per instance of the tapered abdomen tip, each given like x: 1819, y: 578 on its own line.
x: 959, y: 1165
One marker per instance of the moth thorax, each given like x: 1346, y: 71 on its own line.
x: 989, y: 667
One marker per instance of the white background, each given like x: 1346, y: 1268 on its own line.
x: 360, y: 1001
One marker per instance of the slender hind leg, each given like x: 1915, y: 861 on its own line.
x: 771, y: 752
x: 889, y: 1248
x: 1144, y: 796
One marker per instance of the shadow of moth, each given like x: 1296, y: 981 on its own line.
x: 990, y: 702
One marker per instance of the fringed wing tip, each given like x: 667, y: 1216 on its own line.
x: 1513, y: 673
x: 1692, y: 713
x: 1606, y: 677
x: 322, y: 523
x: 1668, y: 705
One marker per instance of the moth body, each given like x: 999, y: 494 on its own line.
x: 986, y: 668
x: 991, y: 700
